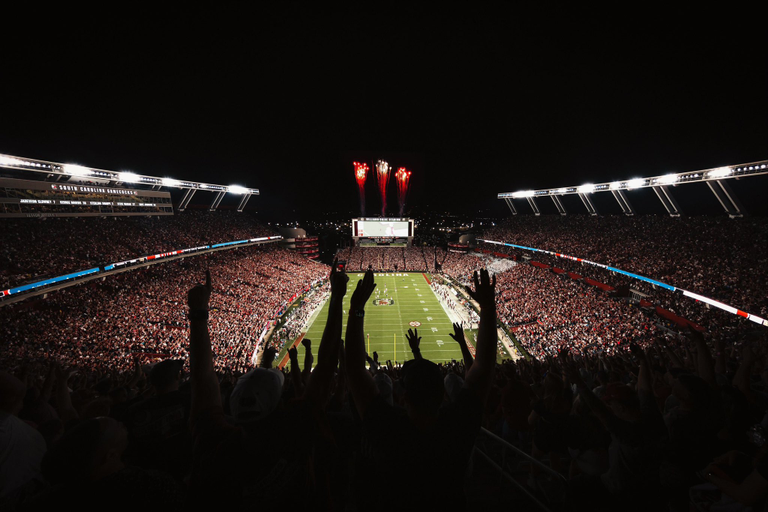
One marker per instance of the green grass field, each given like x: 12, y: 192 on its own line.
x: 386, y: 325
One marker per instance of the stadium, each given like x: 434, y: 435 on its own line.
x: 266, y: 310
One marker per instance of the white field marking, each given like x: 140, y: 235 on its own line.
x: 440, y: 343
x: 399, y: 314
x: 434, y: 329
x: 426, y: 309
x: 429, y: 319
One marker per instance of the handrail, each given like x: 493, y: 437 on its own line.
x: 520, y: 452
x: 508, y: 446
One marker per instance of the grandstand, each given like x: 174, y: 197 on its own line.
x: 661, y: 316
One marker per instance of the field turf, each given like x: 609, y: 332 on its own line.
x: 386, y: 325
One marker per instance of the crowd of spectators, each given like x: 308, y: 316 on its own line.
x: 674, y: 422
x: 550, y: 312
x: 142, y: 388
x: 39, y: 248
x: 717, y: 257
x: 104, y: 325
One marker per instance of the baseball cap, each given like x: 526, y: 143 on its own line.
x: 256, y: 394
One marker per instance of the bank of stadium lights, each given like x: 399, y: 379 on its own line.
x: 128, y: 177
x: 81, y: 171
x: 716, y: 180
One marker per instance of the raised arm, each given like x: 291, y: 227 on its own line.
x: 318, y: 386
x: 298, y: 384
x: 458, y: 337
x: 205, y: 384
x: 309, y: 359
x: 361, y: 383
x: 644, y: 381
x: 480, y: 375
x: 705, y: 365
x: 413, y: 341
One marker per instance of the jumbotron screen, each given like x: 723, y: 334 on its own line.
x: 382, y: 228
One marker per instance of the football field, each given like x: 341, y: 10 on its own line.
x: 400, y: 302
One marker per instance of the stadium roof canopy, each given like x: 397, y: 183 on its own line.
x: 53, y: 171
x: 716, y: 180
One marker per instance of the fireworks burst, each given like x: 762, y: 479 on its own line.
x: 361, y: 173
x: 402, y: 177
x: 382, y: 173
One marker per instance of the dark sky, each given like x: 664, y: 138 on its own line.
x: 476, y: 99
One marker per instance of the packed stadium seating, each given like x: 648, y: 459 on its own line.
x: 632, y: 411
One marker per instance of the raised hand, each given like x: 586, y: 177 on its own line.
x: 485, y: 289
x: 362, y: 292
x: 199, y: 296
x: 268, y: 356
x: 338, y: 280
x: 458, y: 333
x: 413, y: 339
x: 306, y: 342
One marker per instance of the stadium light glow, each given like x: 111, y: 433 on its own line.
x: 9, y: 160
x: 237, y: 189
x: 587, y: 188
x: 76, y: 170
x: 615, y: 185
x: 668, y: 179
x: 170, y: 182
x: 128, y: 177
x: 635, y: 183
x: 722, y: 172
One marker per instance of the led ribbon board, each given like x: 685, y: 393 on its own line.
x: 686, y: 293
x: 113, y: 266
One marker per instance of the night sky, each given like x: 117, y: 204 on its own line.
x: 474, y: 98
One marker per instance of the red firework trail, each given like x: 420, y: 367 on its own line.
x: 361, y: 173
x: 402, y: 177
x: 382, y: 173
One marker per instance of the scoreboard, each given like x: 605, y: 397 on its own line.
x: 383, y: 230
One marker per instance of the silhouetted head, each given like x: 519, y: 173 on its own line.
x: 423, y: 385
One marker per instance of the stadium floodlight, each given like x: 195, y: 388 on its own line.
x: 635, y: 183
x: 9, y: 160
x: 522, y: 193
x: 237, y: 189
x: 128, y: 177
x: 668, y: 179
x: 721, y: 172
x: 616, y: 185
x: 76, y: 170
x: 587, y: 188
x: 170, y: 182
x: 562, y: 190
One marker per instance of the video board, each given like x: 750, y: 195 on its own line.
x: 382, y: 228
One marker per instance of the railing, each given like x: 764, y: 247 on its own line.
x: 508, y: 447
